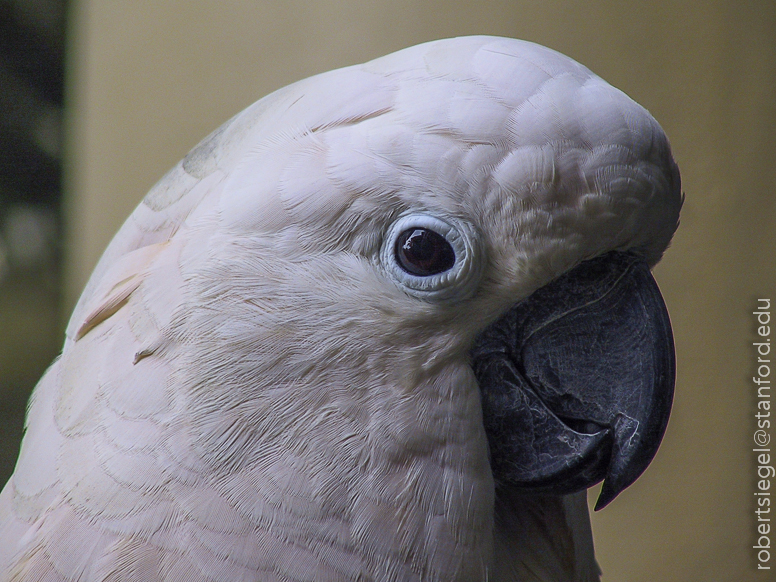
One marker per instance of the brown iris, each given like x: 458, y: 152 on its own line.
x: 423, y: 252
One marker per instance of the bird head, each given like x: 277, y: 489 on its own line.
x: 481, y: 203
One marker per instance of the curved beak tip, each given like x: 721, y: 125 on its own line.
x: 607, y: 495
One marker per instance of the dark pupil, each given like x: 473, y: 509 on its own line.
x: 423, y: 252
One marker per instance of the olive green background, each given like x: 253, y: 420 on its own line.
x: 147, y: 80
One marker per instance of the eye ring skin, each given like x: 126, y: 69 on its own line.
x: 459, y: 281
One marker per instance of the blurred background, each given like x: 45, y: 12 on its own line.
x: 99, y: 99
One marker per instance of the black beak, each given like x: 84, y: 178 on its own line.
x: 577, y: 380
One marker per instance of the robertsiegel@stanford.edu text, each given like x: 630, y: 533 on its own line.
x: 762, y: 434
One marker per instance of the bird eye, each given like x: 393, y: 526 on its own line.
x: 423, y: 252
x: 431, y: 257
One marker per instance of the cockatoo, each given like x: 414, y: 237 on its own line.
x: 386, y: 324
